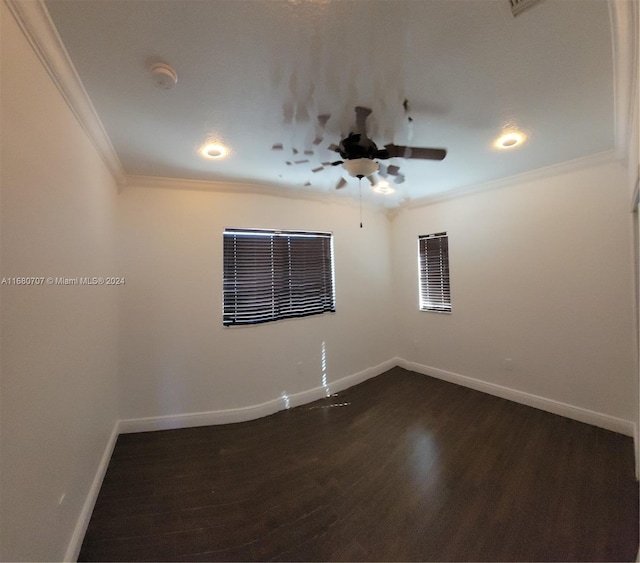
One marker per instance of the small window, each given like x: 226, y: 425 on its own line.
x: 272, y: 275
x: 435, y: 294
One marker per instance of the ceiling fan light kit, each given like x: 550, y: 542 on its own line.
x: 360, y: 167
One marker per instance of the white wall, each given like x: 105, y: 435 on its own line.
x: 176, y: 357
x: 59, y: 355
x: 541, y: 273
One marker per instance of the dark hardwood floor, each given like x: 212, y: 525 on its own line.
x: 402, y: 467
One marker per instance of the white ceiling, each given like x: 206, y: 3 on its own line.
x: 257, y: 72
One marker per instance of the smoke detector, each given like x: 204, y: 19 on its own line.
x: 164, y: 76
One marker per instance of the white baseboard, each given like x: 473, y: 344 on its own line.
x: 354, y: 379
x: 243, y: 414
x: 73, y: 549
x: 206, y: 418
x: 556, y: 407
x: 636, y: 445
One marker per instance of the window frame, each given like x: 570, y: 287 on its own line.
x: 433, y: 262
x: 281, y: 275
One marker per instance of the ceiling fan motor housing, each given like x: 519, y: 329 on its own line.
x: 357, y: 146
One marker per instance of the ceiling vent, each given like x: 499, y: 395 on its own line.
x: 519, y: 6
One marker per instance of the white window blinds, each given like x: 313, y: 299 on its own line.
x: 435, y: 294
x: 271, y: 275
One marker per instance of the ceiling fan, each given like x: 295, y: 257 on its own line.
x: 360, y: 154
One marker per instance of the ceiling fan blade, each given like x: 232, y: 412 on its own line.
x: 308, y: 152
x: 333, y: 147
x: 383, y: 170
x: 414, y: 152
x: 395, y: 172
x: 361, y: 120
x: 322, y: 120
x: 364, y: 141
x: 324, y: 165
x: 277, y: 147
x: 341, y: 184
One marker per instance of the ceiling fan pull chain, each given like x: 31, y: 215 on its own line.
x: 360, y: 190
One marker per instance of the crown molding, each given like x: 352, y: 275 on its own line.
x: 624, y: 37
x: 255, y: 188
x: 391, y: 211
x: 538, y: 174
x: 35, y: 22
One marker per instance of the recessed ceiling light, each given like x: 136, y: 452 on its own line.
x: 383, y: 187
x: 213, y: 151
x: 510, y: 140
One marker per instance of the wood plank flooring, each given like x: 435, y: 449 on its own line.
x: 402, y: 467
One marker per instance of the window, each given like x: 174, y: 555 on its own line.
x: 271, y: 275
x: 435, y: 294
